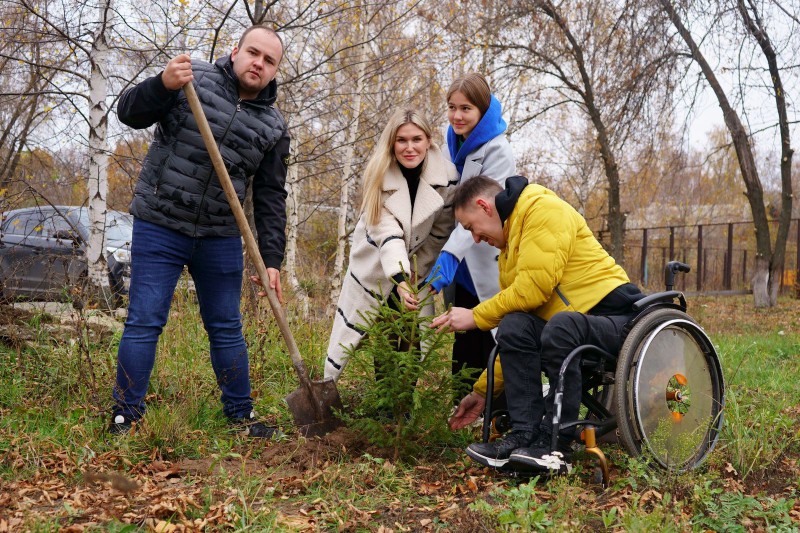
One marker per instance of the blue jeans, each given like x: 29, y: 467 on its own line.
x: 158, y: 255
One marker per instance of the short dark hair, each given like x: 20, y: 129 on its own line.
x: 260, y: 27
x: 470, y: 189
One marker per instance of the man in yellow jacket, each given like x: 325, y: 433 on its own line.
x: 558, y: 289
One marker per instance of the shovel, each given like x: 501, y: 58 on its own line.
x: 311, y: 402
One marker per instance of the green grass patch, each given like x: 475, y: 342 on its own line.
x: 189, y: 470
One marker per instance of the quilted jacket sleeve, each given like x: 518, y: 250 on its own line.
x: 480, y: 385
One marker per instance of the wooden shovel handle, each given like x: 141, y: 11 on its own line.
x: 244, y: 228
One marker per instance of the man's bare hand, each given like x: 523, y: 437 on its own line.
x: 456, y: 319
x: 274, y: 283
x: 470, y: 408
x: 178, y: 72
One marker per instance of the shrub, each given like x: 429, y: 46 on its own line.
x: 407, y: 387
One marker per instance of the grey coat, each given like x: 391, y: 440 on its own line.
x: 380, y: 252
x: 495, y: 160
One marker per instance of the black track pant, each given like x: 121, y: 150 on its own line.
x: 529, y: 345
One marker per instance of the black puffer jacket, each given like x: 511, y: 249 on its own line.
x: 178, y: 187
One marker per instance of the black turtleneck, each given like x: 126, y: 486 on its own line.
x: 412, y: 178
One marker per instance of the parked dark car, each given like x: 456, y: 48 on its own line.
x: 43, y: 252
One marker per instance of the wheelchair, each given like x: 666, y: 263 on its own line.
x: 663, y: 394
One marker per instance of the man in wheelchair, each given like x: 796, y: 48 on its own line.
x: 559, y: 289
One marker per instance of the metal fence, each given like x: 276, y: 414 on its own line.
x: 721, y: 255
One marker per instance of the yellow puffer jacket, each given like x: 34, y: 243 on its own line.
x: 551, y: 263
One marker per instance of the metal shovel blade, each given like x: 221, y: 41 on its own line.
x: 311, y: 420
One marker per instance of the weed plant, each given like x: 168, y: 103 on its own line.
x: 760, y: 426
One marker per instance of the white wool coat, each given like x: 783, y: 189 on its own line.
x: 379, y: 252
x: 494, y: 159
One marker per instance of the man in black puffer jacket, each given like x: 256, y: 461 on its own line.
x: 182, y: 217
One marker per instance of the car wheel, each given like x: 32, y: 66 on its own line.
x: 79, y: 292
x: 3, y: 299
x: 117, y: 288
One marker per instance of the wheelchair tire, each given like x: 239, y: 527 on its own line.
x: 669, y: 391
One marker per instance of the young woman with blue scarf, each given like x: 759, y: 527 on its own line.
x: 476, y: 144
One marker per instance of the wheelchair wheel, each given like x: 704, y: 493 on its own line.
x: 669, y: 390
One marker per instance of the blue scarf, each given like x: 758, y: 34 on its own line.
x: 490, y: 126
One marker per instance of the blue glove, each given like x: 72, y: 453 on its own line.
x: 443, y: 272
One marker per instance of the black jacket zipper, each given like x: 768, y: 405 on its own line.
x: 211, y: 171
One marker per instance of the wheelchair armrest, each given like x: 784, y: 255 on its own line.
x: 667, y: 297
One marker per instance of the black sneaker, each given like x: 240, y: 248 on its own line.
x: 540, y: 457
x: 120, y: 425
x: 496, y: 453
x: 252, y: 428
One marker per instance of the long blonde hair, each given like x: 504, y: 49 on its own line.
x: 383, y: 157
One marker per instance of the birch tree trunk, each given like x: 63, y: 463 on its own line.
x: 293, y: 187
x: 98, y: 159
x: 347, y: 170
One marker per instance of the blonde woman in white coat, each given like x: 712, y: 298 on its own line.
x: 477, y: 145
x: 406, y: 211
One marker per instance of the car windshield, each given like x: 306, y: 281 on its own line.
x: 119, y: 227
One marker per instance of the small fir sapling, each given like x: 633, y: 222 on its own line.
x: 407, y: 393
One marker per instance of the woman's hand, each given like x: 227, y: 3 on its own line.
x: 407, y: 298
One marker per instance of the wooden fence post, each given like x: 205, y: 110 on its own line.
x: 744, y: 269
x: 797, y: 263
x: 671, y: 243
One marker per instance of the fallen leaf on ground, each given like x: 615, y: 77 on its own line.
x: 450, y: 511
